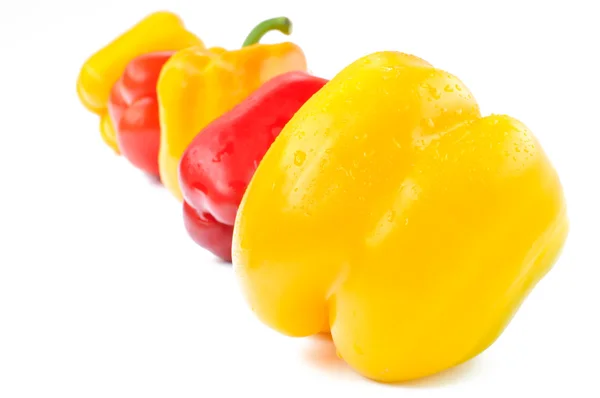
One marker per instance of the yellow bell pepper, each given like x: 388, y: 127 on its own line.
x: 159, y: 31
x: 391, y: 209
x: 196, y: 86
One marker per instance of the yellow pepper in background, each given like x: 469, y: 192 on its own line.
x: 391, y: 209
x: 197, y: 85
x: 160, y: 31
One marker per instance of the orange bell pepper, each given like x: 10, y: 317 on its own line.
x: 197, y: 85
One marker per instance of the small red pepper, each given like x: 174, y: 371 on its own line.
x: 219, y: 163
x: 133, y: 109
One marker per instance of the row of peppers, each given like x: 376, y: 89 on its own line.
x: 379, y: 207
x: 157, y: 86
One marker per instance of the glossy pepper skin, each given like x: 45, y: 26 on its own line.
x: 196, y: 86
x: 219, y: 162
x: 390, y: 208
x: 159, y: 31
x: 133, y: 109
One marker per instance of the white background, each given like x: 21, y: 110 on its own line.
x: 102, y: 293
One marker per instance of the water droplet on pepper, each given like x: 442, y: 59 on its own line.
x: 299, y: 157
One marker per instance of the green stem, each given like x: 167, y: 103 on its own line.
x: 282, y: 24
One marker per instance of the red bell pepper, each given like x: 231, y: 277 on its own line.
x: 133, y: 109
x: 219, y: 163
